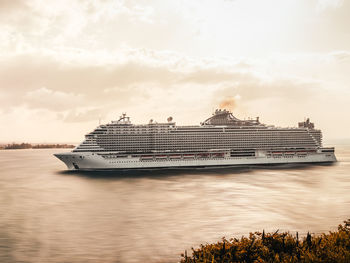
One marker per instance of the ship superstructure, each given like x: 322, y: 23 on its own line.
x: 221, y: 140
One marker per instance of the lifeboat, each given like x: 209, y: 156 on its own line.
x: 203, y: 155
x: 289, y: 153
x: 301, y: 153
x: 217, y: 155
x: 161, y: 157
x: 277, y: 153
x: 147, y: 157
x: 178, y: 156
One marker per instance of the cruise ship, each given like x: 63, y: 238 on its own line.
x: 220, y: 141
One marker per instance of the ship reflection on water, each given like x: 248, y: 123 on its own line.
x: 52, y: 215
x: 167, y: 172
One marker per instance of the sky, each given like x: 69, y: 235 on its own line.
x: 66, y: 65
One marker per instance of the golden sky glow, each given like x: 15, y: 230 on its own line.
x: 65, y: 64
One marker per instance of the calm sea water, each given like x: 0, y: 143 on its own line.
x: 49, y: 215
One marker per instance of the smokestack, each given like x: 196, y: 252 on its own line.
x: 228, y: 103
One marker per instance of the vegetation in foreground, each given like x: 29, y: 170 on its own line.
x: 277, y: 247
x: 36, y: 146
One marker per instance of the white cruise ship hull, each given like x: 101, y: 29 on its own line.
x: 96, y: 161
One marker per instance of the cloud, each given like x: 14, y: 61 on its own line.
x: 44, y: 98
x: 206, y: 75
x: 324, y: 4
x: 86, y: 24
x: 11, y: 5
x: 76, y: 60
x: 36, y: 79
x: 341, y: 56
x: 83, y: 115
x: 25, y: 76
x: 280, y: 89
x: 79, y: 88
x: 76, y: 84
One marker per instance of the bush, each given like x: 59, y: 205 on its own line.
x: 277, y: 247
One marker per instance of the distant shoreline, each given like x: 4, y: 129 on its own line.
x: 19, y: 146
